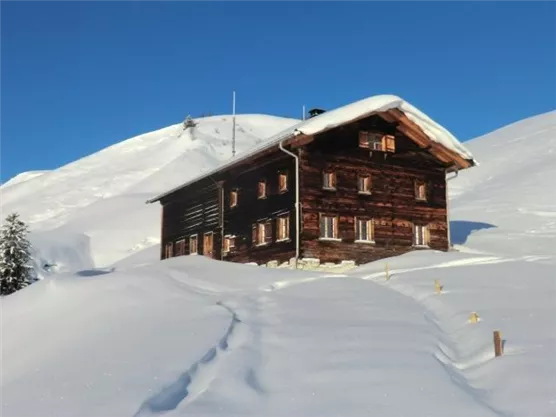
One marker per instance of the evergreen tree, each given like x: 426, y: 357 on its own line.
x: 15, y: 256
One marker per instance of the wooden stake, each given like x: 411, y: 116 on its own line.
x: 473, y: 317
x: 497, y: 343
x: 437, y: 286
x: 387, y: 272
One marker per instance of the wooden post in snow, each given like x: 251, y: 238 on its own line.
x: 387, y: 272
x: 498, y: 343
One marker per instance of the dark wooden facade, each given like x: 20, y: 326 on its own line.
x: 392, y: 210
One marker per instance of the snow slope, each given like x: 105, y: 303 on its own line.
x: 77, y: 197
x: 192, y: 336
x: 512, y: 193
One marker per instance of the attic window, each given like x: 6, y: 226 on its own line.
x: 233, y: 198
x: 261, y: 189
x: 376, y: 141
x: 329, y: 180
x: 420, y: 190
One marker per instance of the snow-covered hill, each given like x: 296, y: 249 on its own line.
x: 193, y: 336
x: 512, y: 193
x: 100, y: 199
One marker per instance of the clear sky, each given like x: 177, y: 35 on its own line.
x: 79, y: 76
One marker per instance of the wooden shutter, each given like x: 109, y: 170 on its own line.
x: 427, y: 235
x: 254, y: 235
x: 389, y: 143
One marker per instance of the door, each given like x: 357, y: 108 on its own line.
x: 208, y: 244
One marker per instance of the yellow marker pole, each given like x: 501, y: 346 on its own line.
x: 437, y: 286
x: 387, y: 272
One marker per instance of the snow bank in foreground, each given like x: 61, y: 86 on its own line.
x: 191, y: 336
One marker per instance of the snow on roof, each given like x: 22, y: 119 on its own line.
x: 343, y: 115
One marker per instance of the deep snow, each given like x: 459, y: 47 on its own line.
x: 191, y: 336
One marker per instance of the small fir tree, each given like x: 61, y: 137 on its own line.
x: 15, y: 256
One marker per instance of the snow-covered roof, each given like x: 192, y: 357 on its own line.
x: 343, y: 115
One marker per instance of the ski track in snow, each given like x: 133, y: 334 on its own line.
x: 197, y: 378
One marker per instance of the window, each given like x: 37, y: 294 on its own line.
x: 168, y: 250
x: 283, y: 182
x: 207, y: 244
x: 233, y: 198
x: 261, y: 189
x: 377, y: 141
x: 283, y: 227
x: 193, y: 244
x: 229, y: 243
x: 364, y: 184
x: 180, y: 247
x: 420, y: 190
x: 262, y: 233
x: 420, y: 235
x: 328, y: 227
x: 364, y: 230
x: 329, y: 180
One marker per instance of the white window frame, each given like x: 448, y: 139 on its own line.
x: 421, y: 235
x: 285, y: 188
x: 370, y: 238
x: 335, y: 231
x: 264, y: 188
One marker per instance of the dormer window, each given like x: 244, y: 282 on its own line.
x: 329, y: 180
x: 375, y: 141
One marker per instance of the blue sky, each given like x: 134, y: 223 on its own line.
x: 79, y: 76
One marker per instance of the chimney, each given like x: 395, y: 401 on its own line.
x: 315, y: 112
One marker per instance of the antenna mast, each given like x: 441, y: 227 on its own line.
x: 233, y: 124
x: 304, y: 112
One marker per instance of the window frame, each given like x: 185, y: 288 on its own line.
x: 261, y: 195
x: 424, y: 235
x: 205, y: 252
x: 194, y: 237
x: 229, y: 244
x: 261, y: 233
x: 180, y: 244
x: 335, y: 228
x: 169, y: 250
x: 235, y: 199
x: 370, y: 227
x: 285, y: 175
x: 417, y: 187
x: 330, y: 176
x: 286, y: 218
x: 367, y: 178
x: 387, y: 142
